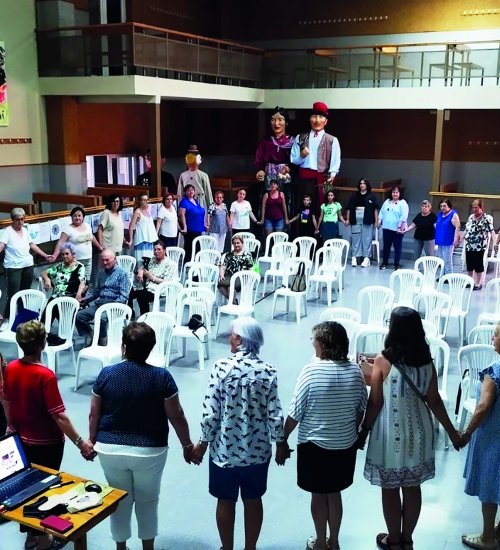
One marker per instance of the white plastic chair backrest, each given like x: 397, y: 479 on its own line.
x: 127, y: 263
x: 431, y: 268
x: 166, y: 294
x: 481, y: 334
x: 245, y: 235
x: 434, y: 304
x: 197, y: 300
x: 375, y: 234
x: 291, y: 267
x: 248, y: 280
x: 352, y: 329
x: 306, y: 247
x: 162, y: 323
x: 327, y: 261
x: 281, y: 251
x: 405, y: 283
x: 440, y: 353
x: 341, y: 244
x: 492, y: 296
x: 203, y: 242
x: 68, y: 308
x: 340, y: 314
x: 459, y: 289
x: 208, y: 257
x: 430, y: 329
x: 475, y: 357
x: 374, y: 302
x: 272, y: 239
x: 118, y: 316
x: 371, y: 340
x: 253, y: 247
x: 202, y: 274
x: 34, y: 300
x: 176, y: 254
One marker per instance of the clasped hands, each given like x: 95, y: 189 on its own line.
x: 193, y: 454
x: 283, y: 453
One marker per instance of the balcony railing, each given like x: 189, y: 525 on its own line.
x: 136, y: 49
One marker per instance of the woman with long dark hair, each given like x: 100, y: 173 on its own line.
x: 400, y: 456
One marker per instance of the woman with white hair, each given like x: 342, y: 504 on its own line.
x: 18, y: 262
x: 241, y: 416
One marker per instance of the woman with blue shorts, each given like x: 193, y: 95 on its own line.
x: 274, y: 215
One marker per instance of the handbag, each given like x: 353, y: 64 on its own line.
x: 299, y: 281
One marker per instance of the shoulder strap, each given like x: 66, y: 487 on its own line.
x: 410, y: 383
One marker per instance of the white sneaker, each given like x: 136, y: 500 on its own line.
x: 354, y: 261
x: 365, y: 262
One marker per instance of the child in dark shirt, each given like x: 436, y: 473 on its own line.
x: 307, y: 220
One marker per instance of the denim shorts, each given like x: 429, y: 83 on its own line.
x: 275, y: 225
x: 226, y: 483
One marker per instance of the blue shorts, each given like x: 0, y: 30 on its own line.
x: 274, y: 225
x: 225, y: 483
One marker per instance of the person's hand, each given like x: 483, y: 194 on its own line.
x: 304, y: 152
x: 260, y: 175
x: 47, y: 285
x: 330, y: 179
x: 457, y: 439
x: 50, y: 258
x: 346, y: 223
x: 316, y: 231
x: 197, y: 453
x: 283, y: 453
x: 87, y: 450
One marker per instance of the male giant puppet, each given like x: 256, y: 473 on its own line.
x: 317, y: 154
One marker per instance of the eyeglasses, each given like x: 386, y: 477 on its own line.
x: 19, y: 218
x: 116, y: 200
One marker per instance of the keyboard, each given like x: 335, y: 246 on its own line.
x: 32, y: 483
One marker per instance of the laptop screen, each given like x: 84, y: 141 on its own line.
x: 12, y: 457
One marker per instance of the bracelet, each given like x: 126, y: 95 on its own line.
x: 78, y: 440
x: 283, y: 443
x: 188, y: 446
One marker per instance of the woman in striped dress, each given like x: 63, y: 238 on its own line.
x: 328, y: 404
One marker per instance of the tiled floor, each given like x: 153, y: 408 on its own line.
x: 187, y: 511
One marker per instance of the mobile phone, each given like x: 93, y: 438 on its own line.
x: 60, y: 525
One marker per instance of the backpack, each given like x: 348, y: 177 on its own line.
x: 299, y: 280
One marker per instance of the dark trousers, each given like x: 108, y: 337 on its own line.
x: 189, y: 237
x: 168, y: 241
x: 395, y: 239
x: 17, y: 279
x: 144, y: 298
x: 310, y: 182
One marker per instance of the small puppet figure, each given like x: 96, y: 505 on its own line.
x: 195, y: 177
x: 317, y: 154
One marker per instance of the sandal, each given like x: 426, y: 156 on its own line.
x: 54, y: 543
x: 31, y: 541
x: 407, y: 545
x: 382, y: 540
x: 476, y: 541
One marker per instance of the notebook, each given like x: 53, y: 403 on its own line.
x: 19, y: 481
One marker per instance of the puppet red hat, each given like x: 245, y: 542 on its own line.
x: 320, y: 108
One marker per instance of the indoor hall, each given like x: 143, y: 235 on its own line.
x: 187, y: 511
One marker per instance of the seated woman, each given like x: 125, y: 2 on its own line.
x: 234, y: 261
x: 158, y: 270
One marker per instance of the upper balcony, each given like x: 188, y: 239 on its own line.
x: 138, y: 51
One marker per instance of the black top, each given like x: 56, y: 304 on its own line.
x: 370, y: 203
x: 305, y: 222
x: 425, y: 230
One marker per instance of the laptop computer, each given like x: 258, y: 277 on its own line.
x: 19, y: 481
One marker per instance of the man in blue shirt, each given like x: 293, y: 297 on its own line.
x: 113, y: 286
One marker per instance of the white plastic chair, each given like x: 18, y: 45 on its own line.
x: 474, y: 358
x: 118, y: 315
x: 202, y: 274
x: 176, y: 254
x: 127, y: 263
x: 67, y: 309
x: 280, y: 253
x: 340, y: 314
x: 253, y: 247
x: 370, y: 340
x: 481, y: 334
x: 165, y: 297
x: 208, y: 257
x: 326, y: 271
x: 352, y: 329
x: 494, y: 260
x: 249, y: 280
x: 431, y: 268
x: 405, y: 283
x: 290, y: 268
x: 245, y: 235
x: 271, y: 240
x: 459, y: 288
x: 436, y: 308
x: 430, y: 329
x: 440, y: 353
x: 306, y: 247
x: 197, y: 301
x: 342, y: 245
x: 376, y: 245
x: 374, y: 305
x: 162, y: 323
x: 31, y: 299
x: 203, y: 242
x: 491, y: 315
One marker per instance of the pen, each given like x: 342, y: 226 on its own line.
x: 62, y: 484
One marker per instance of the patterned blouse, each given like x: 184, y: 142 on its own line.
x: 477, y: 232
x: 242, y: 411
x: 237, y: 262
x: 66, y: 281
x: 218, y: 218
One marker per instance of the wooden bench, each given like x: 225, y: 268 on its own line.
x: 29, y: 208
x: 449, y: 187
x: 127, y: 191
x: 383, y: 189
x: 63, y: 198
